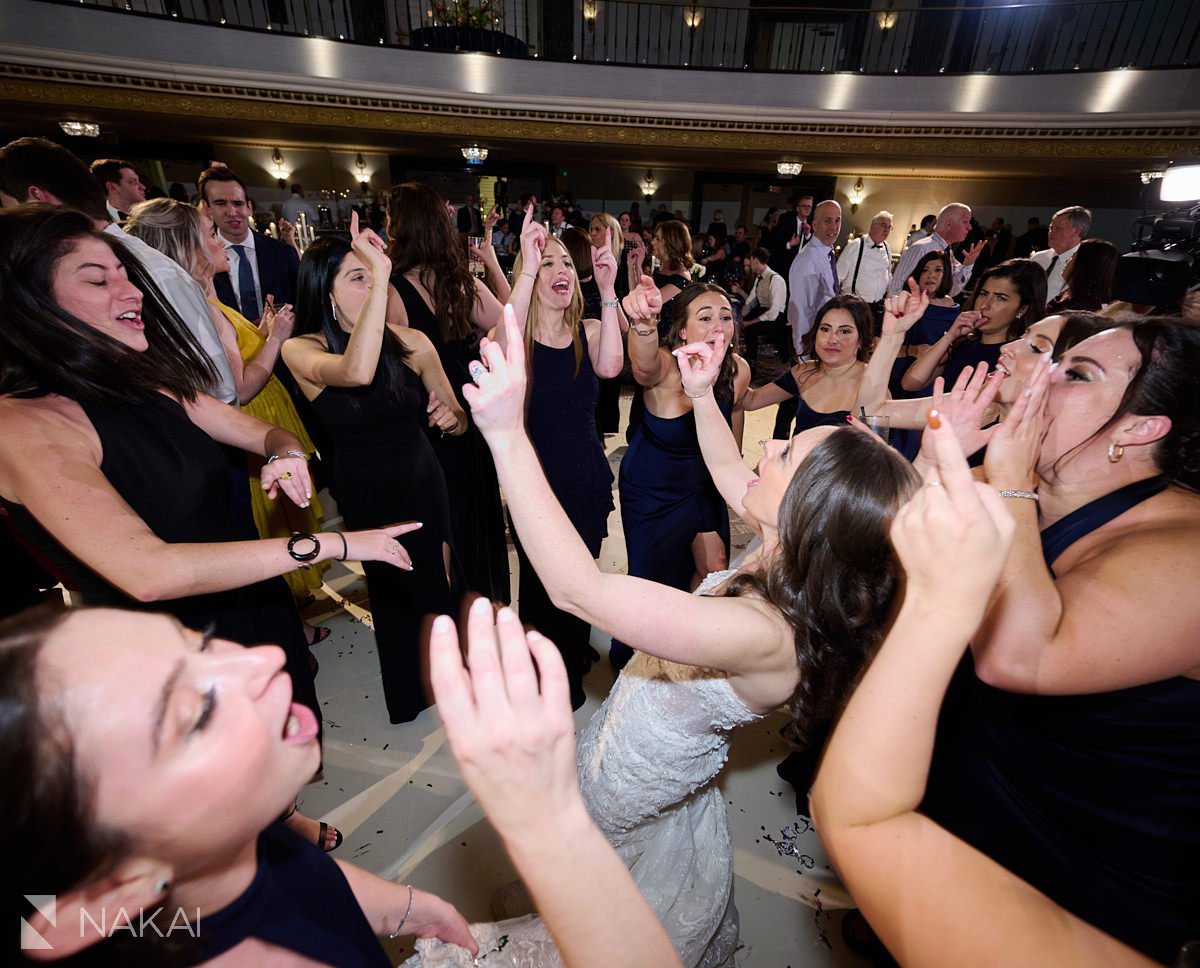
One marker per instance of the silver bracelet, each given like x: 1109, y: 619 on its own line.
x: 290, y: 453
x: 610, y: 303
x: 1027, y: 495
x: 697, y: 396
x: 395, y: 934
x: 531, y: 275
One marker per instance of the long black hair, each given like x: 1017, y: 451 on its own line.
x: 1029, y: 279
x: 44, y: 349
x: 314, y: 310
x: 835, y: 575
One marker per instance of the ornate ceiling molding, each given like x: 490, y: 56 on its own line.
x: 109, y: 92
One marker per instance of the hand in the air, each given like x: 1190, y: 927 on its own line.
x: 370, y: 248
x: 497, y: 398
x: 902, y: 311
x: 604, y: 267
x: 644, y: 303
x: 700, y: 364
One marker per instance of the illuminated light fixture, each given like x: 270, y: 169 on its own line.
x: 1149, y: 176
x: 692, y: 17
x: 474, y: 154
x: 277, y: 167
x: 887, y: 18
x: 591, y: 9
x: 1180, y: 184
x: 649, y: 186
x: 360, y: 165
x: 856, y: 195
x: 80, y: 129
x: 789, y: 169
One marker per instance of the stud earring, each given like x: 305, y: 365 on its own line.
x: 1115, y: 453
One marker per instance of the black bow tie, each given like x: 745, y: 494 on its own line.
x: 877, y: 245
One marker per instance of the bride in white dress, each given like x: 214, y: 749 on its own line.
x: 792, y: 627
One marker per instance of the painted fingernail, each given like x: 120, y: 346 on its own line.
x: 442, y: 624
x: 935, y: 419
x: 304, y: 505
x: 849, y: 418
x: 481, y: 605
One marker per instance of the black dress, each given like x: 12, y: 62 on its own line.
x: 386, y: 472
x: 806, y: 416
x: 299, y: 901
x: 666, y: 316
x: 176, y: 478
x: 1092, y: 799
x: 608, y: 404
x: 476, y: 514
x: 562, y: 427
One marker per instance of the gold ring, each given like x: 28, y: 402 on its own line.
x: 285, y: 476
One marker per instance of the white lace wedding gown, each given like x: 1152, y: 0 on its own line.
x: 647, y: 764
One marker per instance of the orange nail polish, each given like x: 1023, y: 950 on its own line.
x: 935, y: 419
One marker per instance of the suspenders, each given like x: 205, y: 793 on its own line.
x: 862, y: 244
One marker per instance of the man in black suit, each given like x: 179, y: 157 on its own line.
x: 791, y: 233
x: 469, y: 220
x: 259, y: 266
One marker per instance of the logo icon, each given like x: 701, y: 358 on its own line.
x: 47, y: 907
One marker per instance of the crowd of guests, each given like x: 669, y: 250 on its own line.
x: 983, y: 618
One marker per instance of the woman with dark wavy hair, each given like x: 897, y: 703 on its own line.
x: 826, y: 382
x: 440, y: 297
x: 675, y: 521
x: 376, y: 390
x: 792, y: 627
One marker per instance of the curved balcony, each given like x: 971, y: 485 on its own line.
x: 867, y: 36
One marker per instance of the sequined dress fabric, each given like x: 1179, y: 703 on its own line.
x: 648, y: 760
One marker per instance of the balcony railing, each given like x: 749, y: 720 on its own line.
x: 924, y: 37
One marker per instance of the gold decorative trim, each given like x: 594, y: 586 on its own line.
x: 84, y: 89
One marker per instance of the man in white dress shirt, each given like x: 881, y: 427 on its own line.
x: 865, y: 265
x: 297, y: 204
x: 1068, y: 228
x: 813, y: 278
x: 38, y: 170
x: 952, y: 225
x: 121, y: 185
x: 765, y: 314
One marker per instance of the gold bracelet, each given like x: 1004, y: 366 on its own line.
x: 650, y: 331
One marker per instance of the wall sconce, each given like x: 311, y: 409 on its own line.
x: 360, y: 166
x: 474, y: 154
x: 279, y: 170
x: 692, y: 17
x: 789, y: 169
x: 887, y: 18
x: 591, y: 9
x: 649, y: 186
x: 1149, y: 176
x: 856, y: 195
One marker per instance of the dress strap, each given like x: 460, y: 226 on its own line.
x: 1083, y: 521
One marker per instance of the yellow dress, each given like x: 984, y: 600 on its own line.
x: 279, y: 518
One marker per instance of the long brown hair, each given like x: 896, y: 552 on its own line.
x: 677, y: 241
x: 679, y: 315
x: 572, y: 316
x: 422, y: 238
x: 835, y: 576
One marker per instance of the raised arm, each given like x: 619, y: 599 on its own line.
x: 604, y: 335
x: 533, y: 242
x: 731, y: 634
x: 931, y: 363
x: 650, y: 362
x: 699, y: 366
x: 951, y: 539
x: 313, y: 364
x: 900, y: 313
x: 511, y: 731
x: 491, y: 266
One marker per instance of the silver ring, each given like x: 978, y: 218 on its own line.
x: 933, y: 483
x: 475, y: 368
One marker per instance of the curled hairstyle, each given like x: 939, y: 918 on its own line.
x: 942, y: 256
x: 422, y: 238
x: 835, y: 576
x: 679, y: 316
x: 677, y: 243
x: 1165, y: 385
x: 859, y: 311
x: 44, y: 349
x: 176, y: 230
x: 314, y: 312
x: 1029, y: 279
x: 572, y: 316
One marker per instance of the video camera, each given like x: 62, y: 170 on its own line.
x: 1160, y: 268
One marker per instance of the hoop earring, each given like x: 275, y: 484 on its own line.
x: 1115, y: 453
x: 333, y: 306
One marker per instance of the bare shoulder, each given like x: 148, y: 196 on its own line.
x: 1158, y: 537
x: 40, y: 432
x: 414, y: 341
